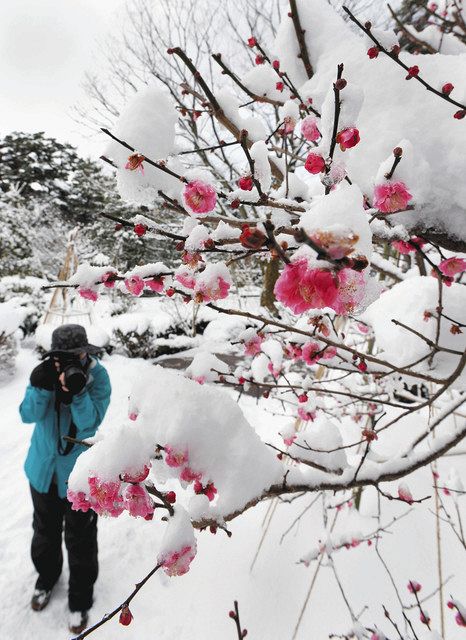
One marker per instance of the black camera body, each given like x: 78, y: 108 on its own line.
x: 75, y: 377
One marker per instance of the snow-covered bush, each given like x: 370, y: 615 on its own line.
x: 337, y: 177
x: 28, y: 294
x: 11, y: 316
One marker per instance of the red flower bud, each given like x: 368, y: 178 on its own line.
x: 241, y: 380
x: 252, y: 42
x: 373, y: 52
x: 276, y: 65
x: 362, y: 366
x: 412, y: 72
x: 447, y: 88
x: 170, y: 292
x: 245, y: 183
x: 397, y: 152
x: 232, y: 614
x: 340, y: 84
x: 125, y: 616
x: 118, y: 226
x: 259, y: 59
x: 234, y: 204
x: 279, y: 86
x: 252, y: 238
x: 170, y: 497
x: 140, y: 229
x: 314, y: 163
x: 459, y: 115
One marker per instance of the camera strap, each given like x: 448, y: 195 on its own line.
x: 64, y: 450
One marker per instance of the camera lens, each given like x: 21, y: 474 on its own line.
x: 75, y: 378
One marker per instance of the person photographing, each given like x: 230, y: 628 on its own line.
x: 68, y: 395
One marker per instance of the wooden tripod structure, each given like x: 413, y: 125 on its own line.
x: 65, y: 306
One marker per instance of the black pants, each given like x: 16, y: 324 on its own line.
x: 81, y: 543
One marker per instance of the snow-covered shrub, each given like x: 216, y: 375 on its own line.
x: 11, y: 316
x: 28, y: 294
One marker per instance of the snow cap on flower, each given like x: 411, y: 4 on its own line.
x: 178, y: 547
x: 404, y: 493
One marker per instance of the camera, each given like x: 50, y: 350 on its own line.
x: 74, y: 375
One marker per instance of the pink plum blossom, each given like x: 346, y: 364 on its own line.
x: 133, y: 416
x: 351, y: 291
x: 177, y: 563
x: 275, y: 371
x: 139, y: 476
x: 289, y: 123
x: 108, y: 279
x: 137, y: 501
x: 216, y: 289
x: 309, y: 129
x: 175, y: 458
x: 451, y: 266
x: 186, y: 279
x: 306, y: 415
x: 310, y: 352
x: 329, y: 353
x: 105, y: 496
x: 301, y: 287
x: 288, y: 440
x: 406, y: 247
x: 155, y: 284
x: 88, y: 294
x: 208, y: 490
x: 79, y: 501
x: 135, y: 285
x: 253, y: 346
x: 188, y: 475
x: 200, y: 197
x: 135, y: 162
x: 391, y: 196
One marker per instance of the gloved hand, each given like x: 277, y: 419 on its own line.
x: 44, y: 376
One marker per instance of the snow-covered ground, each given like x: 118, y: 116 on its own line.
x: 195, y: 606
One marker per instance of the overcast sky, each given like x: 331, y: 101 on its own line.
x: 45, y: 48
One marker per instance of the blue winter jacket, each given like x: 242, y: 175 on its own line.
x: 87, y: 410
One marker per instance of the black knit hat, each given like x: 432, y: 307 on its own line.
x: 71, y: 338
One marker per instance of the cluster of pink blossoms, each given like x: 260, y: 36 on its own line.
x: 216, y: 288
x: 106, y: 498
x: 301, y: 288
x: 176, y: 458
